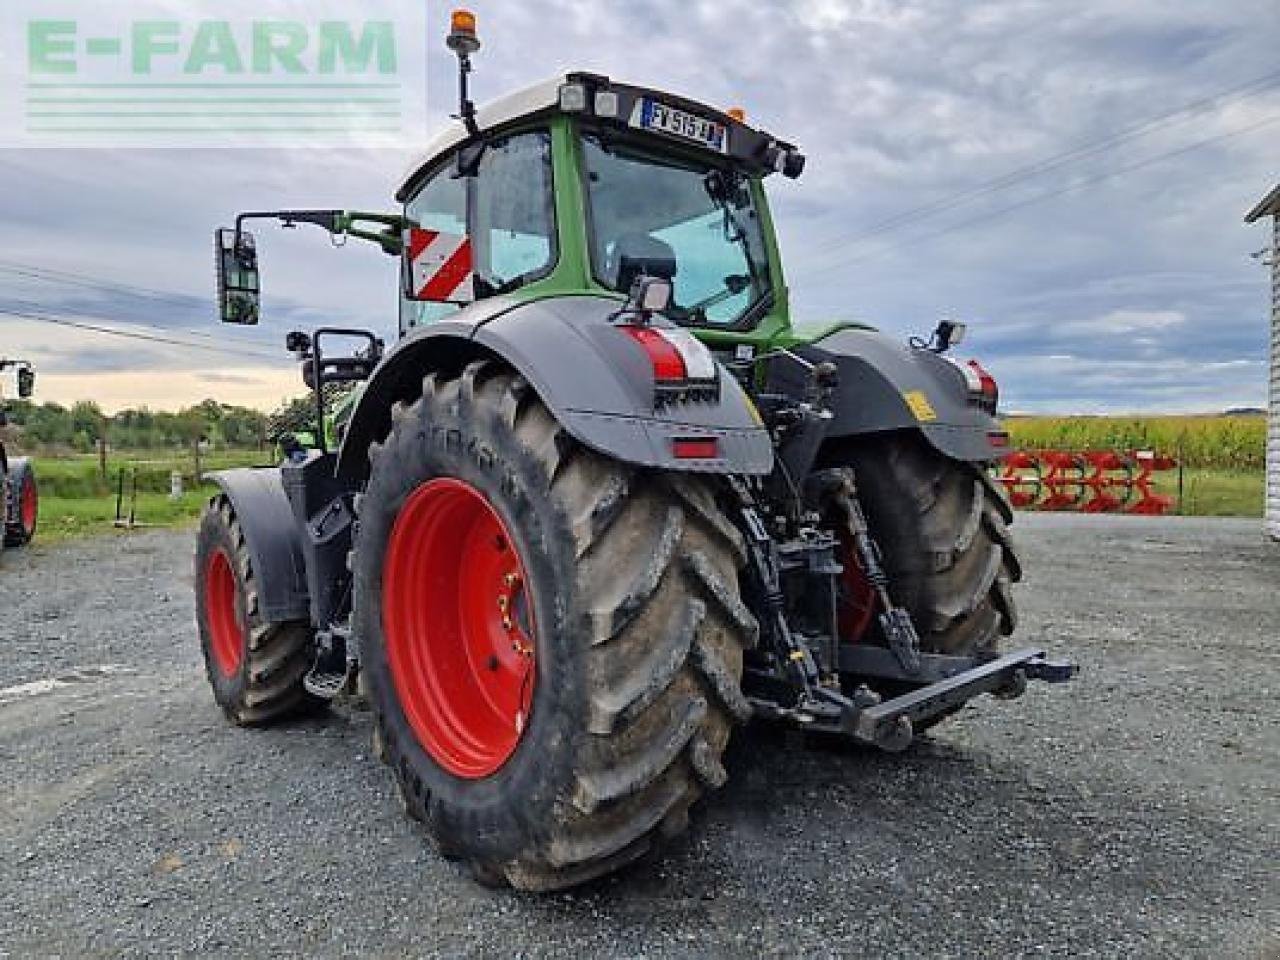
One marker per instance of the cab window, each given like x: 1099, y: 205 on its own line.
x: 440, y: 205
x: 508, y: 211
x: 513, y: 217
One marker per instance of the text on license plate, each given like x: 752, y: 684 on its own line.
x: 678, y: 123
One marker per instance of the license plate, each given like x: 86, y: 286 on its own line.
x: 679, y: 123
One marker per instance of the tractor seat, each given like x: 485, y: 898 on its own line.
x: 636, y: 254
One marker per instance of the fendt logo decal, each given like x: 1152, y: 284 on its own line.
x: 440, y: 265
x: 243, y: 73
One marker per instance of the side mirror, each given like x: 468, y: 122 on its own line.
x: 437, y: 267
x: 26, y: 383
x: 239, y: 288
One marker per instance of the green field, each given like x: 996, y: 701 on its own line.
x: 1222, y: 443
x: 1218, y: 493
x: 75, y: 499
x: 1223, y: 457
x: 1223, y: 467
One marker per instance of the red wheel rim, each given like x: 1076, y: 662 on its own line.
x: 459, y: 628
x: 226, y: 629
x: 857, y: 596
x: 29, y: 506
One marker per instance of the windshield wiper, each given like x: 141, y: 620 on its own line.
x: 734, y: 284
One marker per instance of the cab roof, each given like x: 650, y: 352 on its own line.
x: 747, y: 142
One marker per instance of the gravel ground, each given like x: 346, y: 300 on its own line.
x: 1132, y: 814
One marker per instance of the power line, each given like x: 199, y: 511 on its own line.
x: 248, y: 348
x: 96, y: 283
x: 1018, y: 175
x: 127, y: 334
x: 815, y: 269
x: 148, y: 294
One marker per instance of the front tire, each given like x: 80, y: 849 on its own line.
x: 255, y: 668
x: 621, y: 588
x: 22, y: 512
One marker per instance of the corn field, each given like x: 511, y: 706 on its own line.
x: 1220, y: 442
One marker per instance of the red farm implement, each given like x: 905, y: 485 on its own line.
x: 1089, y: 481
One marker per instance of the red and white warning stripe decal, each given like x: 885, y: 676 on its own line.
x: 676, y: 355
x: 440, y: 265
x: 699, y: 364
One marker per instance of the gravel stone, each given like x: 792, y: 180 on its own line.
x: 1132, y: 813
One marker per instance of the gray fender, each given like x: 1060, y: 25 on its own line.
x: 273, y: 539
x: 876, y: 376
x: 596, y: 382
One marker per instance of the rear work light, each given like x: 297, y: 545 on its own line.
x: 683, y: 368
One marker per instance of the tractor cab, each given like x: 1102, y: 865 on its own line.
x: 583, y: 184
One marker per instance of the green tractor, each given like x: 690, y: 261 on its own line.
x: 601, y: 504
x: 19, y: 493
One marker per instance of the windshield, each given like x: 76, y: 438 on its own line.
x: 697, y: 226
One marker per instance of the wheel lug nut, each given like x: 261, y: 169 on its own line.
x: 502, y: 603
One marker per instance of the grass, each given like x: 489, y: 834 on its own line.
x: 1219, y: 493
x: 1223, y: 473
x: 79, y: 476
x: 65, y: 518
x: 76, y: 501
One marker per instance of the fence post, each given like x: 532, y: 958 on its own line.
x: 1181, y: 480
x: 102, y: 458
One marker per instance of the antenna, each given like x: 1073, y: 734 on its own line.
x: 463, y: 41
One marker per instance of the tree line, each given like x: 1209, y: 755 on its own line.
x: 82, y: 425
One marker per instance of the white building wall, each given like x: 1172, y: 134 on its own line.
x: 1273, y: 429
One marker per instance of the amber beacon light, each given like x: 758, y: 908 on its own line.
x: 462, y: 32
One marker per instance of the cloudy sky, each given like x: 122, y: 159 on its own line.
x: 1069, y: 178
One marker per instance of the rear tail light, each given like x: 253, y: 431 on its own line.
x: 695, y: 448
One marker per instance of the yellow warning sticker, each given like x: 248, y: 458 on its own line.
x: 920, y: 406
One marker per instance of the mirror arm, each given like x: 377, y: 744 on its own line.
x: 331, y: 220
x: 339, y: 223
x: 389, y: 238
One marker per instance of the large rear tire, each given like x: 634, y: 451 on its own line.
x: 255, y: 668
x: 943, y: 528
x: 549, y: 733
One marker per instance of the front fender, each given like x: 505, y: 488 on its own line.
x: 275, y: 544
x: 595, y: 382
x: 886, y: 385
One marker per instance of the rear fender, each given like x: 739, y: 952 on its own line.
x: 886, y: 385
x: 596, y: 382
x: 274, y: 541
